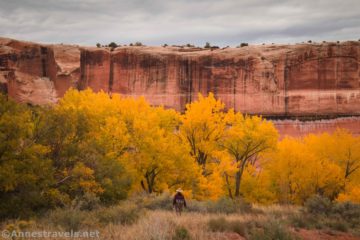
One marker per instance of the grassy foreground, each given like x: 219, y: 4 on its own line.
x: 153, y: 218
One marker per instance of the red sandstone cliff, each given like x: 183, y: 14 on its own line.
x: 302, y: 80
x: 37, y: 74
x: 287, y: 80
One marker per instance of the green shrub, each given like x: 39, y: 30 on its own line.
x: 302, y: 221
x: 218, y: 224
x: 181, y: 233
x: 88, y: 202
x: 244, y: 44
x: 318, y: 205
x: 298, y: 221
x: 68, y: 218
x: 348, y: 212
x: 338, y: 216
x: 252, y: 230
x: 269, y: 231
x: 320, y: 213
x: 197, y: 206
x: 338, y: 225
x: 237, y: 227
x: 223, y: 205
x: 113, y: 45
x: 207, y: 45
x: 163, y: 201
x: 227, y: 205
x: 121, y: 214
x: 307, y: 221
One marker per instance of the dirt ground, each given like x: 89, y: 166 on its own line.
x: 324, y: 235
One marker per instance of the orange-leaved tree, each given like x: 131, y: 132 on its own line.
x: 343, y: 149
x: 244, y: 138
x: 202, y: 126
x: 296, y: 172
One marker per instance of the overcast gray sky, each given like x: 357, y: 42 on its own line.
x: 154, y: 22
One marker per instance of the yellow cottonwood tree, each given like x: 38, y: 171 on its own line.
x: 256, y: 185
x: 25, y: 168
x: 343, y: 149
x: 158, y: 157
x: 202, y: 125
x: 351, y: 194
x: 244, y: 139
x: 86, y: 134
x: 296, y: 173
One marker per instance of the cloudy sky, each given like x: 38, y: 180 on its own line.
x: 155, y: 22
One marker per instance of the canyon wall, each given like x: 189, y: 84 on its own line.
x: 300, y: 81
x: 37, y: 74
x: 292, y: 80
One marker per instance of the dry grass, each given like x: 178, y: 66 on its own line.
x: 154, y: 224
x: 166, y: 225
x: 161, y: 225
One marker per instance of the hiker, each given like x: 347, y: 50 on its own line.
x: 179, y: 201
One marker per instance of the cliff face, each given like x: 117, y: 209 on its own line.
x: 295, y: 80
x: 37, y: 74
x: 303, y: 80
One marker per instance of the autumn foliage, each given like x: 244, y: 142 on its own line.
x: 91, y: 144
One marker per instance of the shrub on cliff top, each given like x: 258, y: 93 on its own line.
x: 113, y: 45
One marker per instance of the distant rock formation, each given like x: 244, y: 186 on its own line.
x: 312, y: 81
x: 37, y: 74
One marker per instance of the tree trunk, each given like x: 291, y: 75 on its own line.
x: 238, y: 177
x: 150, y: 188
x: 150, y: 180
x: 228, y: 185
x: 143, y: 185
x: 237, y: 183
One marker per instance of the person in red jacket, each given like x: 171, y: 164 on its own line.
x: 179, y: 202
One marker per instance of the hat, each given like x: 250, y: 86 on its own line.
x: 179, y: 190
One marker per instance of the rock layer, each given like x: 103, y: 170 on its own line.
x: 311, y: 81
x: 37, y: 74
x: 287, y: 80
x: 297, y: 128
